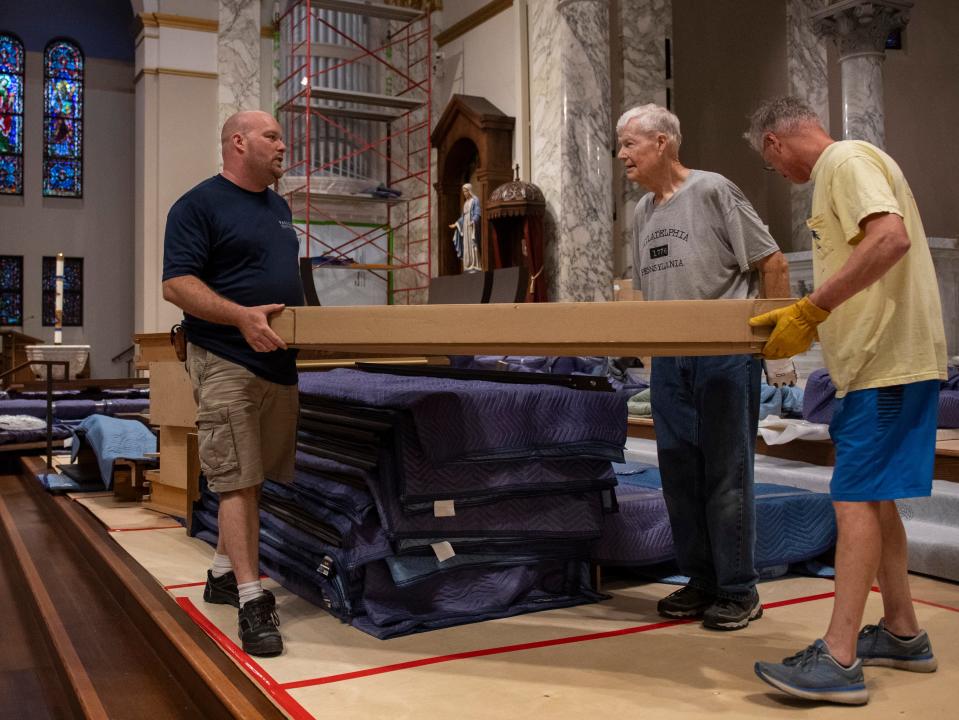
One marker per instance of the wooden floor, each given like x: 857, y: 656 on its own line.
x: 617, y: 657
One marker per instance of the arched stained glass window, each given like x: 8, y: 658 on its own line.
x: 62, y: 119
x: 11, y: 115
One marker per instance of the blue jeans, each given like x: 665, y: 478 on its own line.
x: 706, y: 412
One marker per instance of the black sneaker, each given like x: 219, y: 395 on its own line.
x: 725, y: 614
x: 221, y: 590
x: 258, y: 623
x: 687, y: 602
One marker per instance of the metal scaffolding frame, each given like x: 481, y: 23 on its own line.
x: 339, y: 132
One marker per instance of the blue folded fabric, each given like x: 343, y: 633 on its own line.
x: 792, y: 401
x: 112, y: 438
x: 770, y: 401
x: 472, y: 420
x: 470, y: 594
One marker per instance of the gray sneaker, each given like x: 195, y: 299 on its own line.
x: 814, y: 674
x: 878, y: 646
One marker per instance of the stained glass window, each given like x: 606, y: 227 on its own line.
x: 11, y: 290
x: 11, y: 115
x: 63, y: 120
x: 72, y: 291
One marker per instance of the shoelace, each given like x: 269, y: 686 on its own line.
x: 869, y: 630
x: 804, y: 657
x: 262, y: 614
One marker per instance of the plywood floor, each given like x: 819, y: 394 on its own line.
x: 615, y: 658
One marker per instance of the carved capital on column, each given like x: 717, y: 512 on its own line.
x: 860, y: 27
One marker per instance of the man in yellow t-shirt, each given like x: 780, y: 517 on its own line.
x: 877, y: 313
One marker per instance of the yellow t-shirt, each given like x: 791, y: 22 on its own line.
x: 891, y: 333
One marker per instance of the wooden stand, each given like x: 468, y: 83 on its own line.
x: 129, y: 480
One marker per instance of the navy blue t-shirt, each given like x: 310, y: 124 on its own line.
x: 243, y: 246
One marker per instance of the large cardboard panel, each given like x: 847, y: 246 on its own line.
x: 171, y: 395
x: 173, y: 456
x: 688, y: 327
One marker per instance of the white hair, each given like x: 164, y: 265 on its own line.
x: 652, y: 118
x: 779, y: 115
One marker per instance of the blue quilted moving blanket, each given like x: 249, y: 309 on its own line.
x: 113, y: 438
x: 468, y: 420
x: 792, y: 525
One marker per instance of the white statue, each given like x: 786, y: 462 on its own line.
x: 466, y: 231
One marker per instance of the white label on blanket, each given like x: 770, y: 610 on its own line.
x: 444, y: 508
x: 443, y: 550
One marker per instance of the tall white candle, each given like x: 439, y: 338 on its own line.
x: 58, y: 306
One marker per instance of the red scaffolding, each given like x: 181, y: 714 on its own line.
x: 354, y: 88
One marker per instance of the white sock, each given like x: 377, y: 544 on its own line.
x: 221, y: 565
x: 249, y: 591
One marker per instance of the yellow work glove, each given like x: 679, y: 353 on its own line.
x: 794, y: 328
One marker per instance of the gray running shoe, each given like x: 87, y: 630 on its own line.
x: 814, y: 674
x: 878, y: 646
x: 725, y: 614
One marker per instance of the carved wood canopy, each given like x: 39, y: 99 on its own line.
x: 471, y: 129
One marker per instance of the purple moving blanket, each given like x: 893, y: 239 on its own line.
x: 417, y: 484
x: 473, y: 420
x: 571, y: 515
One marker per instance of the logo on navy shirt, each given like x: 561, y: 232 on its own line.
x: 658, y: 252
x: 286, y: 225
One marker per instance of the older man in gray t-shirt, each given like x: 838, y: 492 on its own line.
x: 703, y: 243
x: 696, y: 237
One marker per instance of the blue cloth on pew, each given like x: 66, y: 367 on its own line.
x: 112, y: 438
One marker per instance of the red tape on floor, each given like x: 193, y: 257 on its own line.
x: 193, y: 584
x: 272, y: 688
x: 481, y: 653
x: 521, y: 646
x: 875, y: 589
x: 936, y: 605
x: 184, y: 585
x: 278, y: 690
x: 158, y: 527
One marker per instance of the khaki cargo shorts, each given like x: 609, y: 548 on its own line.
x: 246, y: 426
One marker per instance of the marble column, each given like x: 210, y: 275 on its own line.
x: 572, y: 143
x: 809, y: 80
x: 643, y: 27
x: 860, y: 29
x: 238, y: 58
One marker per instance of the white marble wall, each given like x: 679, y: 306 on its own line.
x: 572, y: 143
x: 809, y: 80
x: 238, y: 58
x: 643, y: 27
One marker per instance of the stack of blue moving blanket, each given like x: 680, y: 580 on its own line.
x: 421, y: 503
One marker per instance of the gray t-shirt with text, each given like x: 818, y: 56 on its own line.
x: 700, y: 244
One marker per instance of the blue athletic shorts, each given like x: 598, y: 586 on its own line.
x: 885, y: 442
